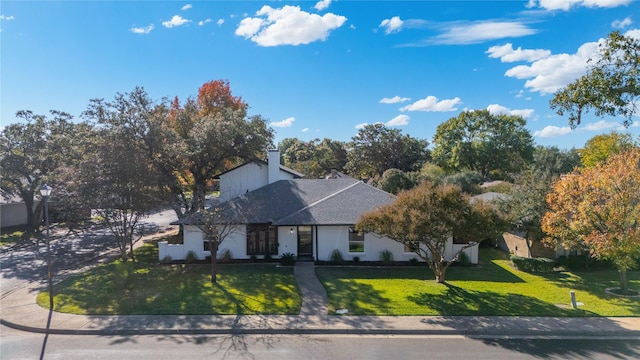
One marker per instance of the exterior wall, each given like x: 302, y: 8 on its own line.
x: 247, y: 178
x: 326, y: 239
x: 242, y: 180
x: 235, y: 242
x: 288, y: 242
x: 13, y: 214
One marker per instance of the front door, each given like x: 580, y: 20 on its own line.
x: 305, y: 241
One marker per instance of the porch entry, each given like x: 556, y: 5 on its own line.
x: 305, y: 241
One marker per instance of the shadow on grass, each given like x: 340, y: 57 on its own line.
x: 357, y: 298
x: 461, y: 302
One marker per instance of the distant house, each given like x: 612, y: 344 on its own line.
x: 13, y: 211
x: 277, y: 212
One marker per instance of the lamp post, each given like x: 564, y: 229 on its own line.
x: 45, y: 191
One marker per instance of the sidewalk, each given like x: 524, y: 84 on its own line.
x: 19, y: 310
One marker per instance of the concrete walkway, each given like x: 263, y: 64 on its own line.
x: 19, y: 310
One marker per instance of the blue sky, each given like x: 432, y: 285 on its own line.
x: 316, y: 69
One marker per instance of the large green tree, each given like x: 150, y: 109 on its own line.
x: 480, y: 141
x: 315, y: 158
x: 611, y: 85
x: 428, y: 216
x: 191, y: 142
x: 118, y: 178
x: 31, y: 154
x: 377, y: 148
x: 600, y: 147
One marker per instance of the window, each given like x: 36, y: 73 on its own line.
x: 262, y: 239
x: 356, y: 241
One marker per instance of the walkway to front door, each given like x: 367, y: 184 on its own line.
x: 314, y: 296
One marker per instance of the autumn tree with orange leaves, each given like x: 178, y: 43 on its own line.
x: 199, y: 138
x: 599, y: 208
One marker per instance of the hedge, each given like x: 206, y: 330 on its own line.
x: 542, y: 265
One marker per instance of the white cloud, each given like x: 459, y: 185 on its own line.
x: 601, y: 125
x: 399, y: 120
x: 288, y: 26
x: 431, y: 103
x: 394, y: 100
x: 284, y: 123
x: 568, y: 4
x: 496, y: 109
x: 142, y: 30
x: 550, y: 74
x: 322, y: 4
x: 205, y: 21
x: 10, y: 17
x: 481, y: 31
x: 361, y: 126
x: 506, y: 53
x: 305, y: 130
x: 391, y: 25
x: 176, y: 20
x: 220, y: 22
x: 552, y: 131
x: 187, y: 7
x: 621, y: 24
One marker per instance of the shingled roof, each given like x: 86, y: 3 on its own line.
x: 303, y: 202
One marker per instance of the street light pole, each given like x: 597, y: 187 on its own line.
x: 45, y: 191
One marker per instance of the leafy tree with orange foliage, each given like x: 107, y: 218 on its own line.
x: 599, y: 207
x: 199, y: 138
x: 428, y: 216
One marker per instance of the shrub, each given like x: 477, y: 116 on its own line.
x: 167, y: 259
x: 191, y: 257
x: 463, y: 259
x: 542, y: 265
x: 267, y: 258
x: 386, y: 257
x: 413, y: 261
x: 356, y: 259
x: 287, y: 259
x: 336, y: 257
x: 226, y: 256
x: 253, y: 258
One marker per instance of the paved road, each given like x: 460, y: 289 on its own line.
x: 71, y: 251
x: 17, y: 345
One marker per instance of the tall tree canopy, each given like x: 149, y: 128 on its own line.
x: 599, y: 207
x: 611, y: 85
x: 377, y: 148
x: 32, y: 152
x: 118, y: 178
x: 600, y: 147
x: 427, y: 217
x: 193, y: 141
x: 313, y: 158
x: 480, y: 141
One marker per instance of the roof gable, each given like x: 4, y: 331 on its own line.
x: 294, y: 173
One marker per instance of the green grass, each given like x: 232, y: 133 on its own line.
x: 11, y: 235
x: 147, y: 287
x: 494, y: 288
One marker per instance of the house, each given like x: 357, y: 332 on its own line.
x: 276, y: 211
x: 13, y: 211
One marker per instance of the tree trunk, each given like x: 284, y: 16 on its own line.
x: 439, y: 271
x: 213, y: 247
x: 623, y: 282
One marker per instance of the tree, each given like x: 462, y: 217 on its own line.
x: 526, y: 204
x: 600, y: 147
x: 313, y: 158
x: 482, y: 142
x: 393, y: 181
x: 32, y: 152
x: 118, y: 179
x: 600, y: 208
x: 611, y: 85
x: 377, y: 148
x: 191, y: 142
x: 426, y: 217
x: 217, y: 225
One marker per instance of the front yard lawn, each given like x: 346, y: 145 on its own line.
x: 493, y: 288
x: 146, y: 287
